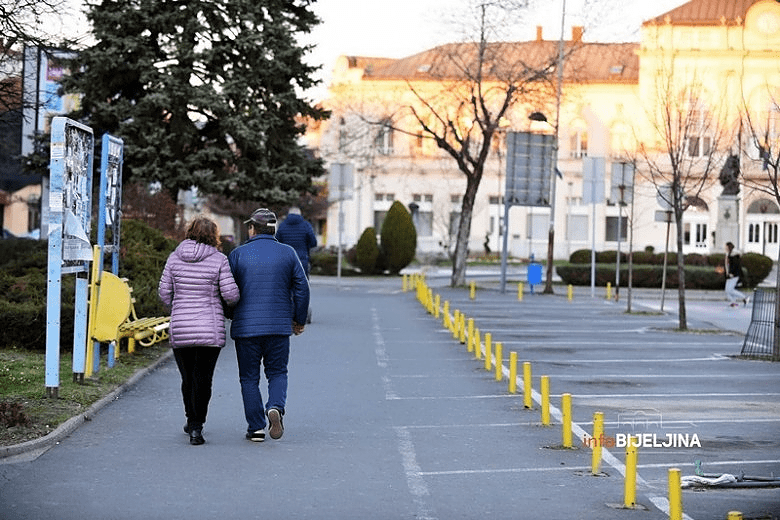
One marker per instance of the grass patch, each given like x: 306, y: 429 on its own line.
x: 26, y: 413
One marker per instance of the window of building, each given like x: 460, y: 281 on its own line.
x: 454, y: 222
x: 695, y: 233
x: 620, y: 140
x: 379, y: 218
x: 698, y: 142
x: 578, y: 227
x: 611, y: 231
x: 754, y: 233
x: 383, y: 142
x: 578, y: 139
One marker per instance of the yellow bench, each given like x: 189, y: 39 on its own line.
x: 115, y: 317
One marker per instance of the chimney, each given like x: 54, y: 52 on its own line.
x: 538, y: 33
x: 576, y: 33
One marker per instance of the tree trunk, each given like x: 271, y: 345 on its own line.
x: 776, y: 335
x: 464, y: 231
x: 683, y: 319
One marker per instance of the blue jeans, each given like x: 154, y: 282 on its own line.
x: 273, y: 352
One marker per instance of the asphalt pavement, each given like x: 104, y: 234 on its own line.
x: 389, y: 416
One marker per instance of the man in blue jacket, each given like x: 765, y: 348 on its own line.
x: 296, y: 232
x: 274, y: 300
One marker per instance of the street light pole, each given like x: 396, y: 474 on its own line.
x: 551, y: 234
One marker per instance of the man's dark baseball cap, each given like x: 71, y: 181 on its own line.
x: 262, y: 217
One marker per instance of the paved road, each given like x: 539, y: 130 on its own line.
x: 390, y: 417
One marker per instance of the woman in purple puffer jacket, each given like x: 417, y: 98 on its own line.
x: 194, y: 282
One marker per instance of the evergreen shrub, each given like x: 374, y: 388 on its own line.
x: 367, y: 251
x: 398, y: 239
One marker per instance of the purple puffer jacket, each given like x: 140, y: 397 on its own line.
x: 194, y: 277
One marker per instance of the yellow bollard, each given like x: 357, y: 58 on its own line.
x: 455, y: 324
x: 470, y: 344
x: 609, y: 291
x: 405, y: 286
x: 675, y: 495
x: 629, y: 494
x: 520, y: 291
x: 430, y: 301
x: 436, y: 304
x: 499, y: 361
x: 488, y: 351
x: 734, y: 515
x: 462, y: 329
x: 566, y: 413
x: 446, y: 320
x: 513, y: 372
x: 544, y: 388
x: 598, y: 433
x: 570, y: 292
x: 473, y: 290
x: 527, y: 397
x: 477, y: 344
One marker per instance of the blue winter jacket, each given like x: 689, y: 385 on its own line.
x: 296, y: 232
x: 273, y: 286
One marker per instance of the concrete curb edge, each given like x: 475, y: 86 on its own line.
x: 69, y: 426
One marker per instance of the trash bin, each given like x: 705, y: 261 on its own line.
x: 534, y: 274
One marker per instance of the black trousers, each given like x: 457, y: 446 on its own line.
x: 196, y: 365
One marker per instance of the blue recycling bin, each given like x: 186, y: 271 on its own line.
x: 534, y: 274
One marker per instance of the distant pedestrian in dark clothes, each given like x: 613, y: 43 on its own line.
x: 298, y: 233
x: 733, y: 269
x: 195, y: 281
x: 274, y: 299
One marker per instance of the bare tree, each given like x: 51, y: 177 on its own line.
x: 682, y: 154
x: 478, y: 83
x: 22, y: 23
x: 763, y: 134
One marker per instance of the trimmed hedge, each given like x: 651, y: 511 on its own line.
x: 701, y: 271
x: 23, y: 286
x: 367, y: 251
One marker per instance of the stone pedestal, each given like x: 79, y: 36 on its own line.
x: 728, y: 222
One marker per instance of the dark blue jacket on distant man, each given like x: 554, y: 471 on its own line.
x: 296, y: 232
x: 267, y: 273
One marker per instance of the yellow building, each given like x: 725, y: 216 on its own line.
x: 713, y: 61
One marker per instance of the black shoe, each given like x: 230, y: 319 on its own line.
x: 187, y: 428
x: 256, y: 436
x: 196, y: 437
x: 275, y: 425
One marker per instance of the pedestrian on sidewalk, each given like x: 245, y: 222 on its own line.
x: 194, y: 283
x: 298, y: 233
x: 273, y: 305
x: 733, y: 270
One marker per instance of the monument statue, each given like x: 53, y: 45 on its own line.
x: 729, y: 176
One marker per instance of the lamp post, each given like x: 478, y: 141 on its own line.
x: 551, y: 234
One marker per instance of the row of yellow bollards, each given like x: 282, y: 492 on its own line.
x: 465, y: 331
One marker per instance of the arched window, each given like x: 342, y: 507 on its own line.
x: 763, y: 206
x: 619, y: 140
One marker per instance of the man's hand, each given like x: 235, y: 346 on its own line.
x: 297, y: 328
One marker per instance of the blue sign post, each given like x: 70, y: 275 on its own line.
x: 109, y: 219
x: 70, y: 207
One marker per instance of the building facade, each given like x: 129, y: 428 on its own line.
x: 721, y: 58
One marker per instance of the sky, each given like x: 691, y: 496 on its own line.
x: 399, y: 28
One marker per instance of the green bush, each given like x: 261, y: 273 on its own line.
x: 144, y: 251
x: 398, y: 238
x: 367, y: 251
x: 650, y: 276
x: 580, y: 256
x: 323, y: 262
x: 757, y: 266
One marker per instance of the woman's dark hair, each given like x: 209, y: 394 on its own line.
x: 205, y: 231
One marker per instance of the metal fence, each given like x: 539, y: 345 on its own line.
x: 760, y: 337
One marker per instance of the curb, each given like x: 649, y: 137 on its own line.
x: 69, y: 426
